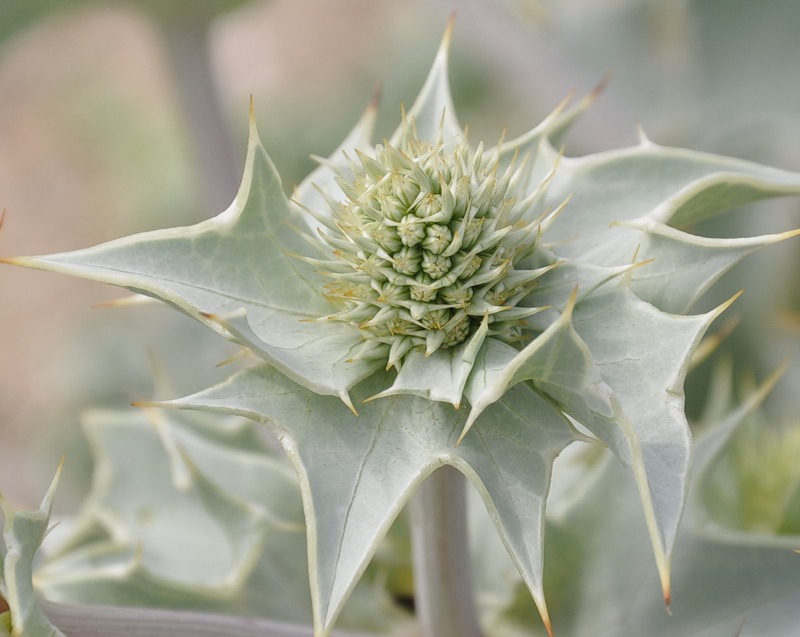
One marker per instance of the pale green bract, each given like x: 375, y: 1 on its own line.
x: 575, y: 313
x: 23, y: 532
x: 727, y: 581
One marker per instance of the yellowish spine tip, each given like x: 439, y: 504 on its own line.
x: 711, y: 343
x: 666, y: 588
x: 23, y: 262
x: 251, y: 122
x: 760, y: 395
x: 545, y: 615
x: 627, y: 277
x: 560, y: 108
x: 781, y: 237
x: 601, y: 86
x: 375, y: 101
x: 130, y: 300
x: 345, y: 397
x: 583, y: 104
x: 239, y: 355
x: 473, y: 416
x: 47, y: 501
x: 447, y: 38
x: 724, y: 306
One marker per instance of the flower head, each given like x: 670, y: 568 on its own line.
x: 429, y: 242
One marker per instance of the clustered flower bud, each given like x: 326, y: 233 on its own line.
x: 431, y: 237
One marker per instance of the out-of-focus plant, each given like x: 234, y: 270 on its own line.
x: 400, y: 283
x: 185, y: 28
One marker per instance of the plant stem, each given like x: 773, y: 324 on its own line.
x: 444, y: 599
x: 187, y: 44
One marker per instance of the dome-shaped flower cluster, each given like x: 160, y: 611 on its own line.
x: 430, y: 240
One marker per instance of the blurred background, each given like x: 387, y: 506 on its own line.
x: 118, y: 117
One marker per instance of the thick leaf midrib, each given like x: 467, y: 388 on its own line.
x: 180, y: 282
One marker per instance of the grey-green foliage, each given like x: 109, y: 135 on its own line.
x: 213, y: 523
x: 23, y: 532
x: 726, y: 581
x: 609, y: 350
x: 199, y: 495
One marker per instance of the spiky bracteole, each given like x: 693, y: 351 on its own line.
x: 428, y: 244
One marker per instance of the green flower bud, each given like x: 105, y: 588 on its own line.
x: 411, y: 230
x: 430, y: 205
x: 437, y: 238
x: 404, y: 187
x: 435, y: 264
x: 407, y: 261
x: 458, y: 295
x: 421, y: 289
x: 392, y: 207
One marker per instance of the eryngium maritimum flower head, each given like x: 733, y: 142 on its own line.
x: 429, y: 243
x: 541, y: 290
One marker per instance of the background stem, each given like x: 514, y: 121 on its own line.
x: 444, y: 599
x: 187, y: 45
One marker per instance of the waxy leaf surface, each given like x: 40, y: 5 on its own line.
x: 357, y: 472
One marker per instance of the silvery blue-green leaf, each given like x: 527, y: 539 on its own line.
x: 212, y: 521
x: 145, y: 516
x: 667, y: 185
x: 23, y: 532
x: 724, y: 585
x: 726, y: 582
x: 681, y: 267
x: 646, y: 376
x: 131, y: 541
x: 356, y: 472
x: 243, y: 265
x: 628, y: 391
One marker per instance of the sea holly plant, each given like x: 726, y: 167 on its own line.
x: 427, y: 309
